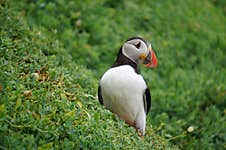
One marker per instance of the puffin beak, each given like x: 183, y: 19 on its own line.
x: 150, y: 60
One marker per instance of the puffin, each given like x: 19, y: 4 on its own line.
x: 123, y: 90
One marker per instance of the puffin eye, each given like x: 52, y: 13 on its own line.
x: 138, y: 45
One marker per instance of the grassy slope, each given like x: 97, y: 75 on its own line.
x: 48, y: 101
x: 188, y: 88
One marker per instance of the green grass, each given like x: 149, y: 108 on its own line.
x: 48, y: 101
x: 54, y: 52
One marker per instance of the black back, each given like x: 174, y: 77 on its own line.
x: 147, y: 100
x: 100, y: 98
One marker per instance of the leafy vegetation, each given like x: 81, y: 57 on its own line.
x: 54, y: 52
x: 48, y: 101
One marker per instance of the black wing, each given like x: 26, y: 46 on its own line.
x: 147, y: 100
x: 100, y: 98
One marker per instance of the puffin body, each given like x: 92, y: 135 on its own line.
x: 122, y: 90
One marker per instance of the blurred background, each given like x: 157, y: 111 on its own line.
x: 189, y: 37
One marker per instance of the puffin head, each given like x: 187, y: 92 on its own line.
x: 139, y: 51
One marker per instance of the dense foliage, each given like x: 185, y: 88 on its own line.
x: 47, y: 94
x: 47, y: 101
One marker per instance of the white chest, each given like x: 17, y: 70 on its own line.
x: 122, y: 92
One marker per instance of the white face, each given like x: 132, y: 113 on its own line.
x: 135, y: 50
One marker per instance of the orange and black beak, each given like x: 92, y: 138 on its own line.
x: 150, y: 60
